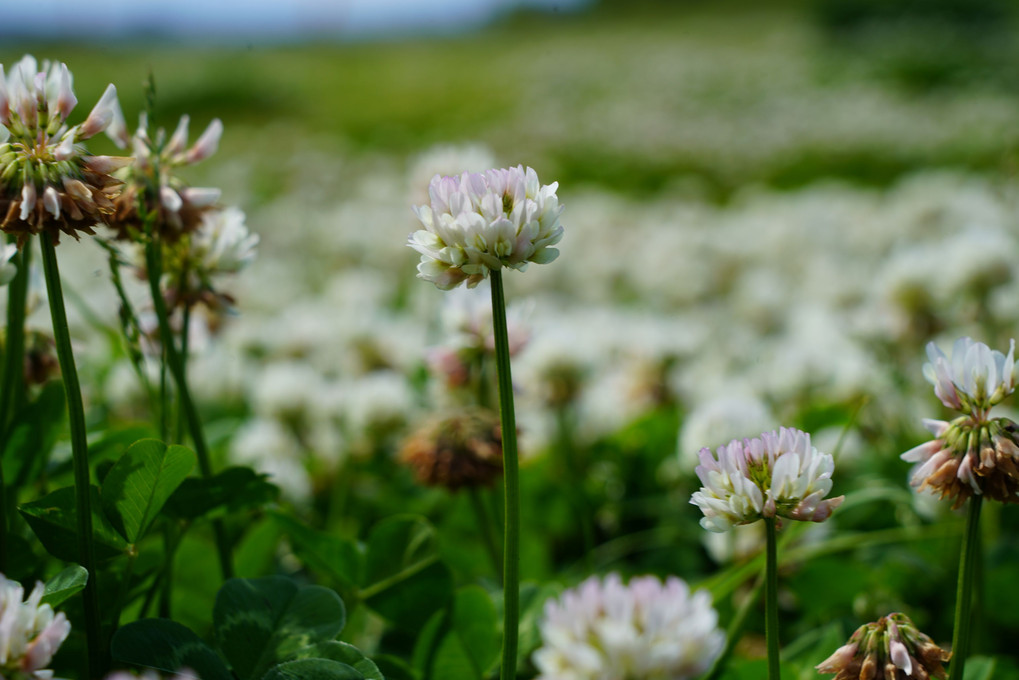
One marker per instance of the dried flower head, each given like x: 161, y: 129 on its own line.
x: 778, y: 474
x: 968, y: 457
x: 974, y: 378
x: 178, y: 208
x: 483, y: 221
x: 30, y: 633
x: 48, y: 181
x: 463, y: 448
x: 647, y: 630
x: 891, y: 648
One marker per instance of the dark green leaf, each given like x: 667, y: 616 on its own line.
x: 464, y: 643
x: 232, y: 490
x: 261, y: 622
x: 980, y: 668
x: 167, y: 646
x: 405, y: 580
x: 313, y: 669
x: 53, y: 519
x: 394, y: 668
x: 32, y: 435
x: 339, y: 559
x: 341, y: 651
x: 65, y: 584
x: 141, y: 481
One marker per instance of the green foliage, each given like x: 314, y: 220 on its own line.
x: 53, y: 520
x: 462, y: 642
x: 141, y: 481
x: 230, y: 491
x: 32, y: 434
x: 265, y: 628
x: 66, y: 584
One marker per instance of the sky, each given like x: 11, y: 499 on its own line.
x: 254, y: 19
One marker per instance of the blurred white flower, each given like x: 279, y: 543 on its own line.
x: 482, y: 221
x: 647, y: 630
x: 30, y: 633
x: 974, y: 378
x: 222, y: 244
x: 778, y: 474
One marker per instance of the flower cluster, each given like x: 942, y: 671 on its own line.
x: 48, y: 181
x: 647, y: 630
x: 30, y: 633
x: 974, y: 378
x: 461, y: 449
x: 974, y: 453
x: 485, y: 221
x: 779, y: 474
x: 891, y: 647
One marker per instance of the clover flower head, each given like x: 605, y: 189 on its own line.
x: 646, y: 630
x: 974, y: 378
x: 779, y: 474
x: 48, y: 180
x: 30, y: 633
x: 485, y: 221
x: 968, y: 456
x: 891, y: 647
x: 180, y: 208
x: 458, y: 449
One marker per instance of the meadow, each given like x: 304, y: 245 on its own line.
x: 767, y: 217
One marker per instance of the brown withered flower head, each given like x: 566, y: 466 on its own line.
x: 48, y: 180
x: 969, y: 457
x: 891, y: 648
x: 177, y: 208
x: 462, y: 448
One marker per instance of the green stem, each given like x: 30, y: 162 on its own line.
x: 485, y: 526
x: 153, y: 263
x: 771, y: 599
x: 511, y: 537
x: 964, y: 594
x: 96, y: 645
x: 12, y: 395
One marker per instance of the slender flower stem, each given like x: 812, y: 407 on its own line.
x: 511, y: 537
x: 95, y: 645
x: 771, y: 599
x: 964, y: 594
x: 154, y: 265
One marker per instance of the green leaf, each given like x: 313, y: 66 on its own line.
x: 341, y: 651
x: 463, y: 644
x: 141, y: 481
x: 262, y: 622
x: 167, y: 646
x: 406, y: 581
x: 979, y: 668
x: 53, y: 519
x: 65, y: 584
x: 232, y: 490
x: 394, y: 668
x: 313, y: 669
x: 32, y: 434
x: 339, y: 559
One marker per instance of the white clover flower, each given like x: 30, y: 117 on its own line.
x: 778, y: 474
x: 974, y: 378
x: 482, y: 221
x: 30, y: 633
x: 222, y: 244
x: 647, y: 630
x: 47, y: 178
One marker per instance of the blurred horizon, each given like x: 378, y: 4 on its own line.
x: 260, y: 21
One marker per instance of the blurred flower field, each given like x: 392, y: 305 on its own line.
x: 765, y: 223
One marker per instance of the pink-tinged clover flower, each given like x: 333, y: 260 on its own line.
x: 974, y: 378
x: 779, y: 474
x: 646, y: 630
x: 485, y: 221
x: 30, y: 633
x: 48, y: 180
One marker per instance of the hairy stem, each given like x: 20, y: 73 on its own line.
x: 771, y: 599
x: 964, y: 594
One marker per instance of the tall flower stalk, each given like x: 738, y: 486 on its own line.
x: 475, y: 225
x: 12, y: 391
x: 777, y: 475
